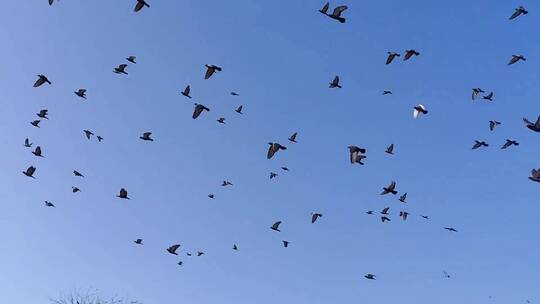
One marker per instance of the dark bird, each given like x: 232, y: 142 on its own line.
x: 403, y: 197
x: 390, y: 149
x: 49, y: 204
x: 37, y: 152
x: 275, y: 226
x: 478, y: 144
x: 535, y: 175
x: 284, y: 168
x: 518, y: 12
x: 186, y: 91
x: 188, y: 254
x: 409, y: 54
x: 273, y: 148
x: 390, y: 189
x: 198, y: 110
x: 146, y: 136
x: 88, y: 133
x: 493, y: 124
x: 391, y: 56
x: 99, y: 138
x: 41, y: 80
x: 173, y: 248
x: 369, y: 212
x: 211, y: 196
x: 239, y: 109
x: 235, y: 247
x: 81, y: 93
x: 532, y: 126
x: 123, y: 194
x: 30, y: 171
x: 450, y: 229
x: 210, y: 70
x: 292, y: 138
x: 335, y: 83
x: 35, y: 123
x: 385, y: 211
x: 315, y: 216
x: 516, y: 58
x: 138, y: 241
x: 386, y: 92
x: 425, y: 217
x: 370, y: 276
x: 235, y: 94
x: 226, y: 183
x: 43, y: 114
x: 419, y: 109
x: 285, y: 244
x: 51, y: 2
x: 488, y: 97
x: 356, y: 154
x: 273, y: 175
x: 140, y: 4
x: 476, y: 92
x: 131, y: 59
x: 199, y: 253
x: 75, y: 189
x: 336, y: 14
x: 77, y: 173
x: 27, y: 143
x: 404, y: 215
x: 509, y: 142
x: 446, y: 275
x: 221, y: 120
x: 121, y: 69
x: 180, y: 263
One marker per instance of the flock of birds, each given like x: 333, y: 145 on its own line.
x: 357, y: 155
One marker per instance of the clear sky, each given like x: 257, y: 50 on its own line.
x: 279, y: 56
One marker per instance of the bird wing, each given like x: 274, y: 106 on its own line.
x: 39, y: 82
x: 239, y: 109
x: 271, y: 151
x: 209, y: 72
x: 537, y: 123
x: 30, y: 170
x: 314, y: 217
x: 293, y: 136
x: 325, y: 8
x: 338, y: 10
x: 198, y: 111
x: 139, y: 6
x: 38, y: 150
x: 415, y: 113
x: 187, y: 90
x: 173, y: 248
x: 408, y: 55
x: 515, y: 14
x: 390, y: 58
x: 276, y: 225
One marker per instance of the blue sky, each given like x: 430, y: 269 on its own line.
x: 279, y: 57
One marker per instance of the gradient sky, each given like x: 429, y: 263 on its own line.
x: 280, y: 56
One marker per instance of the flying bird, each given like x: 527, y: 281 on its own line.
x: 516, y: 58
x: 403, y: 197
x: 121, y: 69
x: 81, y: 93
x: 273, y: 175
x: 41, y: 80
x: 493, y: 124
x: 75, y: 189
x: 509, y: 142
x: 235, y: 247
x: 385, y: 211
x: 369, y: 212
x: 532, y: 126
x: 88, y: 133
x: 390, y: 189
x: 535, y: 175
x: 370, y: 276
x: 146, y: 136
x: 49, y: 204
x: 409, y: 54
x: 518, y: 12
x: 386, y: 92
x: 488, y: 97
x: 123, y: 194
x: 273, y: 148
x: 173, y: 248
x: 446, y: 275
x: 221, y: 120
x: 226, y: 183
x: 211, y: 196
x: 391, y: 56
x: 239, y: 109
x: 27, y: 143
x: 284, y: 168
x: 210, y: 70
x: 199, y: 108
x: 425, y: 217
x: 51, y: 2
x: 419, y: 109
x: 356, y: 154
x: 390, y: 149
x: 476, y: 92
x: 478, y: 144
x: 37, y: 152
x: 131, y: 59
x: 450, y: 229
x: 43, y: 114
x: 35, y: 123
x: 385, y: 219
x: 292, y: 138
x: 235, y: 94
x: 99, y: 138
x: 186, y: 91
x: 138, y: 241
x: 404, y: 215
x: 275, y: 226
x: 199, y: 253
x: 335, y: 83
x: 286, y: 244
x: 77, y: 173
x: 336, y: 14
x: 315, y: 216
x: 140, y: 4
x: 30, y: 171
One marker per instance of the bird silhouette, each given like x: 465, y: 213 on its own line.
x: 81, y: 93
x: 404, y: 215
x: 235, y: 247
x: 41, y: 80
x: 221, y: 120
x: 211, y: 196
x: 131, y: 59
x: 450, y: 229
x: 27, y: 143
x: 516, y: 58
x: 419, y: 109
x: 286, y: 244
x: 275, y: 226
x: 173, y: 249
x: 35, y: 123
x: 532, y: 126
x: 390, y: 189
x: 403, y: 197
x: 390, y: 149
x: 336, y: 14
x: 370, y: 276
x: 88, y: 133
x: 138, y: 241
x: 199, y: 108
x: 226, y: 183
x: 37, y: 152
x: 356, y: 154
x: 77, y: 173
x: 239, y: 109
x: 140, y: 4
x: 200, y: 253
x: 186, y: 91
x: 123, y: 194
x: 292, y: 138
x: 315, y: 216
x: 488, y: 97
x: 49, y: 204
x: 476, y: 92
x: 75, y: 189
x: 409, y: 54
x: 121, y: 69
x: 509, y: 142
x: 273, y: 175
x: 30, y: 171
x: 43, y: 114
x: 210, y: 70
x: 386, y: 92
x: 273, y: 148
x: 391, y: 57
x: 493, y: 124
x: 99, y: 138
x: 535, y: 175
x: 146, y: 136
x: 478, y: 144
x: 335, y: 83
x: 520, y: 11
